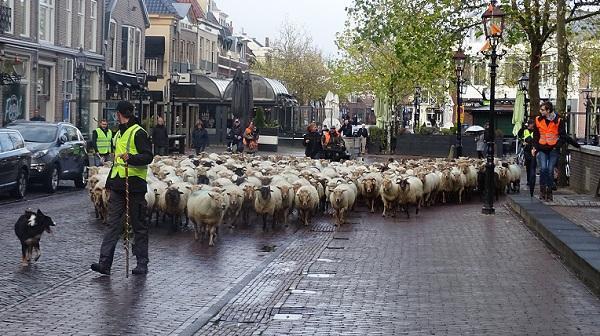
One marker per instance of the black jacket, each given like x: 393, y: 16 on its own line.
x: 236, y: 133
x: 95, y: 139
x: 562, y: 134
x: 199, y: 137
x: 346, y: 130
x: 145, y: 156
x: 159, y: 136
x: 363, y: 132
x: 312, y: 144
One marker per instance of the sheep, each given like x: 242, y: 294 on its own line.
x: 206, y: 209
x: 287, y: 198
x: 266, y: 203
x: 370, y: 191
x: 236, y: 200
x: 459, y: 180
x: 431, y: 183
x: 514, y: 171
x: 411, y: 193
x: 389, y: 194
x: 342, y: 199
x: 503, y: 180
x: 306, y: 200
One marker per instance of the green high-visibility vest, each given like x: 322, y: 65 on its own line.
x: 126, y: 144
x: 103, y: 141
x: 527, y: 134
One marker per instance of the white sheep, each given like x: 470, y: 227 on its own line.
x: 266, y: 202
x: 389, y: 194
x: 206, y: 210
x: 411, y: 193
x: 306, y: 201
x: 342, y: 199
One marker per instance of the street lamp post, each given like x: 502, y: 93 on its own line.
x: 524, y: 87
x: 417, y: 108
x: 587, y: 93
x: 80, y: 60
x: 172, y: 83
x: 459, y: 62
x: 493, y: 24
x: 142, y: 79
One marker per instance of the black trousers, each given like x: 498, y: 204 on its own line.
x: 530, y: 166
x: 116, y: 220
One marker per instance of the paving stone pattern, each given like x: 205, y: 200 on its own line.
x: 439, y: 274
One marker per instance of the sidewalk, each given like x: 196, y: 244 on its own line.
x: 570, y: 225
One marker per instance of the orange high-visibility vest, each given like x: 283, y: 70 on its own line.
x: 327, y: 137
x: 548, y: 131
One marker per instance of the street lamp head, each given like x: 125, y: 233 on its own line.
x: 587, y: 92
x: 80, y: 60
x: 463, y: 86
x: 459, y: 62
x: 493, y: 23
x: 174, y: 77
x: 524, y: 82
x: 141, y: 75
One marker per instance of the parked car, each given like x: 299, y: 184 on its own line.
x: 15, y: 160
x: 58, y: 153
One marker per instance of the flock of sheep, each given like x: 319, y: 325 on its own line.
x: 211, y: 189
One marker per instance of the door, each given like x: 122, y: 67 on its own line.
x: 65, y: 152
x: 79, y: 150
x: 8, y: 161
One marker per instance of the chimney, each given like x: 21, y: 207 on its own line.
x: 267, y: 44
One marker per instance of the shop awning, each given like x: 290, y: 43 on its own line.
x: 121, y: 79
x: 155, y: 46
x: 201, y: 89
x: 265, y: 90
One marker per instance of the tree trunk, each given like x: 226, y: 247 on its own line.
x: 535, y: 58
x: 561, y: 82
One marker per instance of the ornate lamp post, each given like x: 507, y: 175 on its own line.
x: 587, y: 92
x: 417, y: 107
x: 80, y: 63
x: 142, y: 79
x: 524, y: 87
x: 172, y: 83
x: 493, y: 26
x: 459, y: 62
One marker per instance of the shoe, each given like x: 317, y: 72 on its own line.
x: 97, y: 267
x: 543, y: 193
x: 140, y: 269
x: 549, y: 197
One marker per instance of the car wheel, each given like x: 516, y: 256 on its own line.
x: 82, y: 179
x: 52, y: 180
x: 21, y: 187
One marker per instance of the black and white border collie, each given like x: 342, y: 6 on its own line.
x: 29, y: 228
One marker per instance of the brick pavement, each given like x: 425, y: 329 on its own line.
x: 582, y: 209
x: 458, y: 274
x: 448, y: 271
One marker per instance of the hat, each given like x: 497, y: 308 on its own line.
x: 125, y: 108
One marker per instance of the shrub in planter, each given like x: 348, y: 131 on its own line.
x: 377, y: 138
x: 259, y: 118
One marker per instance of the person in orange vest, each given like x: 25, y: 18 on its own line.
x: 251, y: 138
x: 549, y: 134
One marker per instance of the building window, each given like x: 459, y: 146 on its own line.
x: 68, y: 76
x: 112, y: 33
x: 69, y: 23
x: 81, y: 14
x: 10, y: 4
x: 138, y: 49
x: 94, y: 24
x: 128, y: 51
x: 46, y: 21
x: 25, y: 13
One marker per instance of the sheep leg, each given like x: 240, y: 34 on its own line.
x: 372, y: 205
x: 264, y: 220
x: 385, y: 206
x: 196, y: 229
x: 418, y: 206
x: 460, y: 196
x: 213, y: 234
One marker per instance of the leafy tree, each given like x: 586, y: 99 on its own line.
x: 298, y: 63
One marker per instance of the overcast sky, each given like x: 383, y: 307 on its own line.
x: 263, y: 18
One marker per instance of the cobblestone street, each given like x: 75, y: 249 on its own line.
x: 448, y: 271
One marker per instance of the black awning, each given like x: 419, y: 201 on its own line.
x: 155, y: 46
x: 120, y: 79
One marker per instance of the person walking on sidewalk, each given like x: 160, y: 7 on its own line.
x: 199, y: 137
x: 160, y: 138
x: 236, y: 137
x: 312, y: 142
x: 102, y: 142
x: 363, y: 134
x: 133, y: 147
x: 526, y: 136
x: 549, y: 134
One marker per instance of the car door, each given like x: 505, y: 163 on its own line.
x: 78, y: 146
x: 8, y: 161
x: 65, y: 151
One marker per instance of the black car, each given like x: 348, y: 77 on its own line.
x: 15, y: 159
x: 58, y: 152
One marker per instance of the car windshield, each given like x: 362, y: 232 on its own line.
x: 37, y: 133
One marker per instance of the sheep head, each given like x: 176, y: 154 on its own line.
x: 338, y: 195
x: 303, y: 198
x: 404, y: 185
x: 265, y: 192
x: 220, y: 201
x: 369, y: 185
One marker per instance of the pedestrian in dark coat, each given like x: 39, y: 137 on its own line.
x: 312, y: 142
x: 237, y: 136
x: 160, y: 138
x: 199, y: 137
x: 346, y: 129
